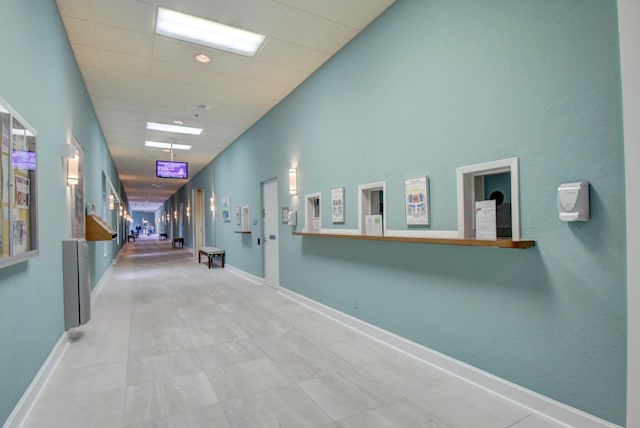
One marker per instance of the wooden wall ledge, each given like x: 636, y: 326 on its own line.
x: 500, y: 243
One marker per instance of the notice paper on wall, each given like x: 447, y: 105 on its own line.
x: 486, y: 220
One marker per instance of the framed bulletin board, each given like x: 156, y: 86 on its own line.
x: 18, y: 188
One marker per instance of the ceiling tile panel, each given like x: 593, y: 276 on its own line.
x: 173, y: 72
x: 335, y: 10
x: 75, y: 8
x: 87, y: 56
x: 208, y: 9
x: 305, y: 29
x: 127, y: 80
x: 127, y: 63
x: 93, y: 74
x: 338, y: 39
x: 286, y: 54
x: 118, y: 39
x: 128, y: 14
x: 260, y: 16
x: 80, y: 31
x: 217, y: 80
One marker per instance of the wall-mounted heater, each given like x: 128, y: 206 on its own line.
x: 76, y: 282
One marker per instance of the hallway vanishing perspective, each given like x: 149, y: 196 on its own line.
x: 174, y: 344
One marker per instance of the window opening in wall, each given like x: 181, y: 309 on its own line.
x: 313, y: 220
x: 372, y: 221
x: 496, y: 180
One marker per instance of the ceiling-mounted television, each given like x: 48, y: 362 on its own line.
x: 171, y: 169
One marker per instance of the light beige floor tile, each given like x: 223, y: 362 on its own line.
x: 205, y: 417
x: 287, y: 406
x: 537, y: 421
x: 338, y: 397
x: 159, y: 399
x: 102, y: 409
x: 145, y: 369
x: 241, y: 379
x: 281, y: 344
x: 70, y: 382
x: 458, y: 403
x: 310, y: 362
x: 361, y: 351
x: 227, y: 353
x: 189, y: 336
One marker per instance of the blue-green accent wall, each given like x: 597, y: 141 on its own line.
x: 40, y: 79
x: 428, y: 87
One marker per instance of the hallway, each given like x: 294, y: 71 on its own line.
x: 174, y: 344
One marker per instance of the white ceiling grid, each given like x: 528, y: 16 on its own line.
x: 134, y: 76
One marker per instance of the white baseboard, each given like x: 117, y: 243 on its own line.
x: 245, y: 275
x: 532, y: 400
x: 22, y: 409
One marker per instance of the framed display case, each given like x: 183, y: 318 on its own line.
x: 18, y: 188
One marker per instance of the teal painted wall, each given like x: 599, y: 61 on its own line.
x: 42, y: 82
x: 428, y: 87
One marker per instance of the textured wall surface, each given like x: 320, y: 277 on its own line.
x: 428, y: 87
x: 40, y: 79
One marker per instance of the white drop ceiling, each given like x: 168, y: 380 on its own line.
x: 134, y: 76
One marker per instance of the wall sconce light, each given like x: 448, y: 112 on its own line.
x: 112, y: 202
x: 188, y: 211
x: 293, y: 181
x: 121, y: 210
x: 175, y: 214
x: 212, y: 203
x: 73, y: 177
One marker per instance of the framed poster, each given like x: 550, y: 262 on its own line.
x: 416, y: 198
x: 337, y: 205
x: 18, y: 188
x: 226, y: 209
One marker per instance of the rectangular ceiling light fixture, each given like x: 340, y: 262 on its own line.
x: 153, y: 126
x: 207, y: 33
x: 159, y: 145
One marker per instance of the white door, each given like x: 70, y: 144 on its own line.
x: 271, y: 242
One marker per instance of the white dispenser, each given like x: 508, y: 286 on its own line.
x: 573, y: 201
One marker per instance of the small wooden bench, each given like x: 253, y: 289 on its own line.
x: 131, y: 238
x: 177, y: 241
x: 211, y: 252
x: 162, y: 236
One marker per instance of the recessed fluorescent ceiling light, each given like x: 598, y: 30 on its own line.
x: 153, y: 126
x: 207, y: 33
x: 160, y: 145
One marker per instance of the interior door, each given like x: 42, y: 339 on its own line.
x: 270, y: 238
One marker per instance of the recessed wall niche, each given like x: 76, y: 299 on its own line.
x: 371, y: 203
x: 312, y: 213
x: 490, y: 180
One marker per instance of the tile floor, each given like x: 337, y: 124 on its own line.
x: 174, y: 344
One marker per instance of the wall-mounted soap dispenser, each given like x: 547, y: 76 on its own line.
x: 573, y: 201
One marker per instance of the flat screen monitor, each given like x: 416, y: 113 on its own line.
x: 171, y: 169
x: 23, y: 159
